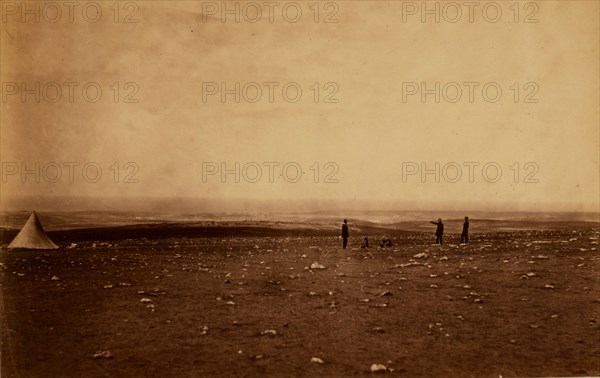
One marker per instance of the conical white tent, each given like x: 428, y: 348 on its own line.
x: 32, y: 236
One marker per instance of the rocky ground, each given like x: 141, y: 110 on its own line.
x: 510, y: 303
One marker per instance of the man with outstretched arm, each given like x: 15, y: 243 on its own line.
x: 439, y: 231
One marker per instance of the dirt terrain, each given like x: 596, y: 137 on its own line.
x: 248, y: 303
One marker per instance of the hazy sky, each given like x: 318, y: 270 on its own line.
x: 371, y: 139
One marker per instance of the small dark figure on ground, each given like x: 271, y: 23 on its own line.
x: 464, y: 237
x: 439, y: 231
x: 365, y: 243
x: 345, y: 234
x: 386, y: 242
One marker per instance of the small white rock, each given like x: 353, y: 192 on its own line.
x: 378, y: 367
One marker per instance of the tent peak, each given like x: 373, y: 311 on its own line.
x: 32, y: 236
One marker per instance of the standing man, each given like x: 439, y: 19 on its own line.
x: 439, y: 231
x: 345, y: 234
x: 464, y: 237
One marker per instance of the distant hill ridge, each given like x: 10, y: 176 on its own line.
x: 410, y: 220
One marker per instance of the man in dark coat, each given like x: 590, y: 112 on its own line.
x: 345, y: 234
x: 439, y: 231
x: 464, y: 237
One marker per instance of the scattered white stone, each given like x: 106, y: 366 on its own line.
x: 421, y: 255
x: 103, y: 354
x: 146, y: 300
x: 269, y: 332
x: 316, y: 360
x: 55, y: 278
x: 376, y: 368
x: 316, y: 265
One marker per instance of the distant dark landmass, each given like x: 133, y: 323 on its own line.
x: 389, y: 219
x: 99, y: 225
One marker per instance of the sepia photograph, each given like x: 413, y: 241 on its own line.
x: 305, y: 188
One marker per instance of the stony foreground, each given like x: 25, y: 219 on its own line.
x: 510, y: 304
